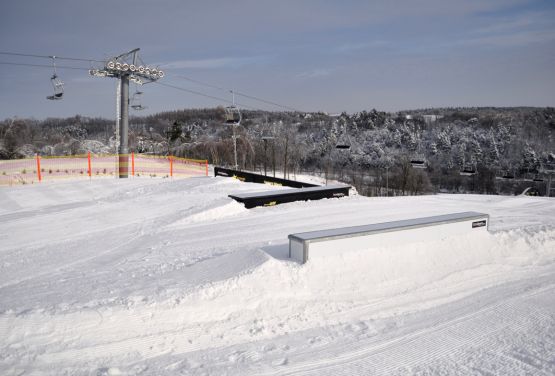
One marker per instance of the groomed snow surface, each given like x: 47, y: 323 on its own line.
x: 155, y: 277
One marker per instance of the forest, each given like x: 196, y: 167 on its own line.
x: 471, y: 150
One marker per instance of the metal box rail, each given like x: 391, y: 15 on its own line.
x: 331, y: 241
x: 250, y: 177
x: 275, y: 197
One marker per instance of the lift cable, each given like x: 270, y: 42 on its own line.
x: 267, y: 102
x: 159, y: 83
x: 256, y: 98
x: 238, y: 93
x: 168, y: 85
x: 50, y: 57
x: 206, y: 95
x: 43, y: 65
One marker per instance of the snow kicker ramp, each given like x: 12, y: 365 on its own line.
x: 159, y: 277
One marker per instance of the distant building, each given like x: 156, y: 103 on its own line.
x: 429, y: 119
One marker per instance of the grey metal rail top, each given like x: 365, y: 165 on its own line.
x: 279, y: 192
x: 345, y: 232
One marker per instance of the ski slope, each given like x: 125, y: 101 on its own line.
x: 152, y: 277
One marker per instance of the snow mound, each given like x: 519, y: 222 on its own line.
x: 172, y: 277
x: 229, y: 209
x: 430, y: 272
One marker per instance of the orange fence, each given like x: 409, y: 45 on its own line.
x: 90, y: 166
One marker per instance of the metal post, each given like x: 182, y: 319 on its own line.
x: 265, y: 155
x: 387, y: 181
x: 119, y: 67
x: 234, y: 136
x: 118, y: 122
x: 274, y: 158
x: 328, y: 165
x: 235, y: 148
x: 124, y: 128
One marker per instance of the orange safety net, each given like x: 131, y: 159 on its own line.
x: 34, y: 170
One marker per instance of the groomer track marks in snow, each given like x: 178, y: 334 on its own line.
x: 166, y: 276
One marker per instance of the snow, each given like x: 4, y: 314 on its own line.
x: 153, y: 276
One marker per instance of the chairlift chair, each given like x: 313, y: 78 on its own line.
x: 508, y: 175
x: 418, y: 163
x: 232, y: 115
x: 344, y: 140
x: 135, y: 102
x: 57, y: 84
x: 467, y: 171
x: 343, y: 143
x: 418, y: 160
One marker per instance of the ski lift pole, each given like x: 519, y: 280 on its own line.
x: 234, y: 135
x: 123, y: 151
x: 266, y: 139
x: 387, y: 181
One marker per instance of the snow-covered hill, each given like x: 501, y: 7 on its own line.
x: 151, y: 276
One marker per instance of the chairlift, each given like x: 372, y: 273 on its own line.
x: 135, y: 101
x: 57, y: 84
x: 342, y: 146
x: 418, y: 163
x: 508, y: 175
x: 537, y: 178
x: 232, y: 115
x: 467, y: 171
x: 344, y: 141
x: 138, y: 107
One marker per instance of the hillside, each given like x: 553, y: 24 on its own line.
x: 490, y: 143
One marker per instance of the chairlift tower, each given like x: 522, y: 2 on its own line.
x: 125, y: 68
x: 233, y: 118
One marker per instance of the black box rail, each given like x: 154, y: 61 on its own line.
x: 250, y: 177
x: 275, y: 197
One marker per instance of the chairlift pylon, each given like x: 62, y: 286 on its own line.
x: 57, y: 84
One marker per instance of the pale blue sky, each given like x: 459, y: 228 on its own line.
x: 311, y: 55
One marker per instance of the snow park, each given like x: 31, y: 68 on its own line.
x: 313, y: 188
x: 159, y: 276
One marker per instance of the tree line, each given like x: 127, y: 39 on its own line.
x: 481, y: 150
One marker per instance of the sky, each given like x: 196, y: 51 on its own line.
x: 309, y: 55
